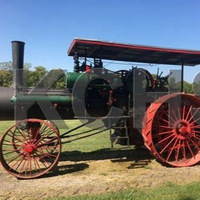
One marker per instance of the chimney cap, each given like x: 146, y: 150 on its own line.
x: 16, y: 41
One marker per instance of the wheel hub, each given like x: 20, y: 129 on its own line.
x: 29, y: 148
x: 182, y: 129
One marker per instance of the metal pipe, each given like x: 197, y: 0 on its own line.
x: 66, y: 100
x: 18, y: 63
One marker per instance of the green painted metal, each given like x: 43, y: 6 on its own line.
x: 43, y: 98
x: 71, y: 78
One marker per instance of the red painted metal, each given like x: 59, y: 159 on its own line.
x: 171, y: 130
x: 128, y: 46
x: 30, y: 148
x: 133, y: 53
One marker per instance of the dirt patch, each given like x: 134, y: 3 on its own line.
x: 87, y: 174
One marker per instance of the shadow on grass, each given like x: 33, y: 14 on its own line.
x: 186, y: 198
x: 141, y: 157
x: 66, y: 169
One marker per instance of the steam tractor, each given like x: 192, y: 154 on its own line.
x: 135, y: 106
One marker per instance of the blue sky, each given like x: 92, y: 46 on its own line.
x: 49, y: 26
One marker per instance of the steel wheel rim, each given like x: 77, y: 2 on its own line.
x: 35, y: 150
x: 173, y: 133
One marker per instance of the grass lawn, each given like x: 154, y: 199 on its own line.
x: 169, y: 192
x: 94, y: 143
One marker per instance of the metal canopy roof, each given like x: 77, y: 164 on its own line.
x: 133, y: 53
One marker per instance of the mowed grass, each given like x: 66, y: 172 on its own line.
x: 4, y: 125
x: 93, y: 143
x: 88, y: 144
x: 169, y: 192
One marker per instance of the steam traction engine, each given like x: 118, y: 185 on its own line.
x: 137, y: 106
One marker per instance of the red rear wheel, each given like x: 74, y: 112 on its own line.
x: 30, y: 148
x: 172, y: 129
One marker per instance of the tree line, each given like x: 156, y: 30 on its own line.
x: 32, y: 77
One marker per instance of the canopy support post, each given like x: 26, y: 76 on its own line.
x: 85, y: 56
x: 182, y: 76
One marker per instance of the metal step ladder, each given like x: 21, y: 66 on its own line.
x: 122, y: 126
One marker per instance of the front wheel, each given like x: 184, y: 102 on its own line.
x: 30, y: 148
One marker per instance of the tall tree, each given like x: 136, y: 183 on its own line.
x: 33, y: 77
x: 6, y: 66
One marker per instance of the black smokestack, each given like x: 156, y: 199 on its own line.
x: 18, y: 63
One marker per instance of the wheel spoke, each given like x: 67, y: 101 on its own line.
x: 22, y: 169
x: 30, y: 166
x: 12, y: 143
x: 179, y: 112
x: 20, y: 163
x: 172, y: 149
x: 192, y: 116
x: 175, y: 116
x: 166, y: 138
x: 47, y: 142
x: 165, y: 132
x: 11, y: 151
x: 169, y: 116
x: 183, y: 113
x: 43, y: 129
x: 49, y: 148
x: 42, y: 138
x: 47, y: 154
x: 192, y: 154
x: 13, y: 158
x: 194, y: 144
x: 178, y: 150
x: 17, y: 162
x: 165, y: 127
x: 195, y: 121
x: 165, y: 120
x: 195, y: 126
x: 37, y: 166
x: 189, y: 112
x: 167, y: 145
x: 43, y: 161
x: 184, y: 152
x: 22, y: 134
x: 17, y: 138
x: 198, y: 138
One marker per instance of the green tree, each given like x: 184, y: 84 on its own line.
x: 34, y: 77
x: 6, y: 78
x: 6, y: 74
x: 187, y: 87
x: 6, y: 66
